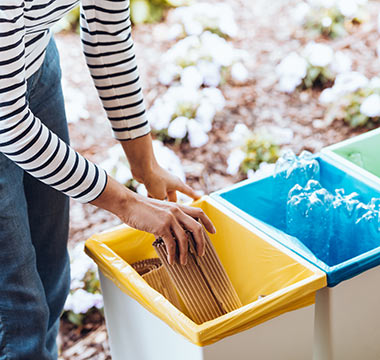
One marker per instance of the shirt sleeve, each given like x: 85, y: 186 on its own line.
x: 108, y: 48
x: 23, y: 138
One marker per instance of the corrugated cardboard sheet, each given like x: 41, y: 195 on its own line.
x: 202, y: 283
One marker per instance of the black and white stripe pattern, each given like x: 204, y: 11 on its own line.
x: 108, y: 47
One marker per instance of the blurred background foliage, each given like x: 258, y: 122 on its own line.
x: 142, y: 11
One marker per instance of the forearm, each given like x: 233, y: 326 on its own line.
x: 140, y: 156
x: 108, y: 48
x: 115, y: 198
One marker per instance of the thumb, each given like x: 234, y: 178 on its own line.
x: 156, y: 192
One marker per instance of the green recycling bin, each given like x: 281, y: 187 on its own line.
x: 359, y: 156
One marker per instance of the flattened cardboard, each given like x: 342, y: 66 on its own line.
x: 157, y: 277
x: 202, y: 283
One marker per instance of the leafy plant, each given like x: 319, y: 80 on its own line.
x: 258, y: 149
x: 201, y: 17
x: 330, y: 18
x: 142, y: 11
x: 204, y: 60
x: 150, y: 11
x: 353, y: 98
x: 316, y: 65
x: 186, y: 113
x: 251, y: 150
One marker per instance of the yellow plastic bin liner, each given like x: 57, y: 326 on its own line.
x: 256, y: 265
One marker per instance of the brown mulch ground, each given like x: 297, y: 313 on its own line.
x: 268, y: 34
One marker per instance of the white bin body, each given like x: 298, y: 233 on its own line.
x: 136, y: 334
x: 347, y: 319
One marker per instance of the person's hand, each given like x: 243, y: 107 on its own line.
x: 159, y: 183
x: 169, y: 221
x: 162, y: 185
x: 163, y: 219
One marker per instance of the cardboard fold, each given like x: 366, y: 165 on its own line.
x: 152, y: 271
x: 202, y: 283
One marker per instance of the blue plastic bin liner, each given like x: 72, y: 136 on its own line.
x: 259, y: 203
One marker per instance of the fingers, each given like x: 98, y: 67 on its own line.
x: 174, y: 235
x: 168, y: 235
x: 172, y: 196
x: 197, y: 213
x: 187, y: 190
x: 176, y: 220
x: 197, y: 230
x: 182, y: 241
x: 170, y: 246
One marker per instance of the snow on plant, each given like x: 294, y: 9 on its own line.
x: 207, y: 60
x: 330, y: 17
x: 185, y: 112
x: 353, y: 98
x: 251, y: 149
x: 200, y: 17
x: 317, y: 64
x: 85, y: 294
x: 117, y: 165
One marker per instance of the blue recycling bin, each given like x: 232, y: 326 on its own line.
x: 347, y: 323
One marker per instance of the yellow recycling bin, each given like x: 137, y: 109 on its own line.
x: 276, y: 286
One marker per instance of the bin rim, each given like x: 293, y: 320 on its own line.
x: 348, y: 166
x: 335, y: 274
x: 97, y: 248
x: 351, y: 140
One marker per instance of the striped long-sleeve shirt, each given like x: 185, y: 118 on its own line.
x: 108, y: 47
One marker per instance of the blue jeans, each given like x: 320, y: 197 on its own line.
x: 34, y: 222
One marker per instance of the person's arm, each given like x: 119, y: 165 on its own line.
x: 108, y: 47
x: 110, y: 57
x: 23, y: 138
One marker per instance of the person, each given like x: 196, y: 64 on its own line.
x: 39, y: 170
